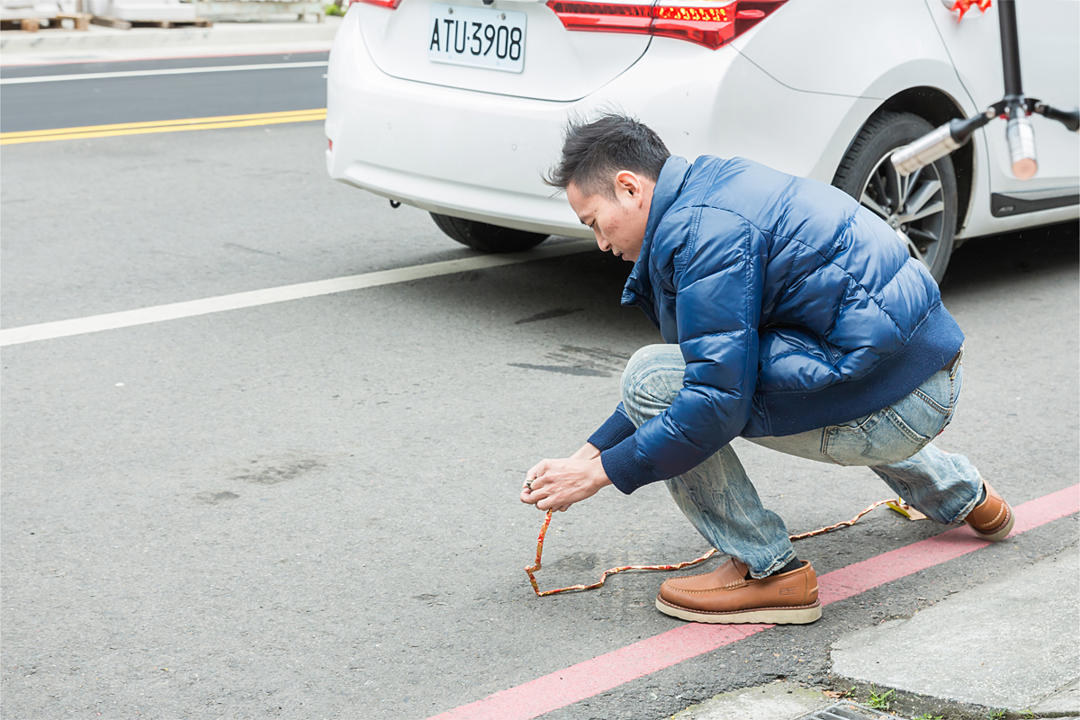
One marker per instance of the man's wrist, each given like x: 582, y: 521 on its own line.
x: 599, y: 474
x: 588, y: 451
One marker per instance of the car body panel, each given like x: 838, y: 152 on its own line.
x: 558, y: 65
x: 1050, y: 71
x: 840, y: 46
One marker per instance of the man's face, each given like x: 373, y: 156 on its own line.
x: 617, y: 223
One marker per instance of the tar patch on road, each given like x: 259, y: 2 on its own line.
x: 548, y: 315
x: 262, y: 473
x: 274, y: 474
x: 574, y: 360
x: 213, y: 498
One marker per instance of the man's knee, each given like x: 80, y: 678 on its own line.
x: 652, y: 378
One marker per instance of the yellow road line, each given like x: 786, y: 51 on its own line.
x: 160, y: 126
x: 153, y: 123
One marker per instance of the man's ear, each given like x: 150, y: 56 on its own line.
x: 629, y: 183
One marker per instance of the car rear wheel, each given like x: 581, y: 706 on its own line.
x: 921, y: 207
x: 487, y: 238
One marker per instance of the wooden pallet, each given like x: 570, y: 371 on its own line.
x: 33, y: 24
x: 128, y: 24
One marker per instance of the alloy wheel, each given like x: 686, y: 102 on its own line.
x: 913, y: 206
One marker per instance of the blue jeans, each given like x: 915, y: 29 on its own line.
x: 894, y: 442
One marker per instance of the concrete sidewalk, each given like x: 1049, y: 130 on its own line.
x: 780, y: 701
x: 102, y: 43
x: 1004, y: 649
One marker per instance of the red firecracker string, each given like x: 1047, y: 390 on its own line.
x: 532, y: 569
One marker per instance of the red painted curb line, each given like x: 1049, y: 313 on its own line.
x: 604, y: 672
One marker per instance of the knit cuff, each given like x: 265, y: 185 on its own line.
x: 626, y: 469
x: 615, y: 429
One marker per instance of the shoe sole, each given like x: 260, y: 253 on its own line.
x: 1002, y: 533
x: 799, y: 615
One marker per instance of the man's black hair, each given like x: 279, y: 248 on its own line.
x: 594, y: 152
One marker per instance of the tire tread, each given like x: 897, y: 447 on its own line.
x: 853, y: 169
x: 485, y: 237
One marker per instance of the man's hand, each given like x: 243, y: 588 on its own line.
x: 557, y: 484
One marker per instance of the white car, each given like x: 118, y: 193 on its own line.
x: 458, y: 106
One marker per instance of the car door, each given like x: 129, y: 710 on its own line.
x: 1050, y: 71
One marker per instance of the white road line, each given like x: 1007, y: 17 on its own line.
x: 236, y: 301
x: 162, y: 71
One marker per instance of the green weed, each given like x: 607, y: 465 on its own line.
x: 881, y: 701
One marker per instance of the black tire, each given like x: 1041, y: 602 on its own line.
x: 866, y: 174
x: 487, y: 238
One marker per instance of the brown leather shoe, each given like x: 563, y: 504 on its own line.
x: 726, y: 596
x: 992, y: 519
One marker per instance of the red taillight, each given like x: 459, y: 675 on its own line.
x: 712, y: 23
x: 392, y: 4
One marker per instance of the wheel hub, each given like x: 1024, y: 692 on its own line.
x: 912, y: 206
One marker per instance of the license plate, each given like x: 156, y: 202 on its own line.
x: 477, y: 37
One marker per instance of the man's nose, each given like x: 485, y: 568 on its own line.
x: 603, y: 244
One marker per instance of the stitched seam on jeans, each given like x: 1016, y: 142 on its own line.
x: 872, y: 420
x: 906, y: 429
x: 956, y: 365
x: 826, y: 445
x: 931, y: 401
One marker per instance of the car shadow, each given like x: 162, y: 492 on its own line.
x: 982, y: 262
x: 584, y: 289
x: 1011, y: 257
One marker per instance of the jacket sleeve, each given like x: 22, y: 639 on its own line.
x: 718, y: 280
x: 615, y: 429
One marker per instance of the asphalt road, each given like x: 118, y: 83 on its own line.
x: 85, y: 98
x: 309, y: 508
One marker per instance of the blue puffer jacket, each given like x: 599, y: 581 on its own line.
x: 794, y: 308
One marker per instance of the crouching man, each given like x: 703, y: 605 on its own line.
x: 791, y: 316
